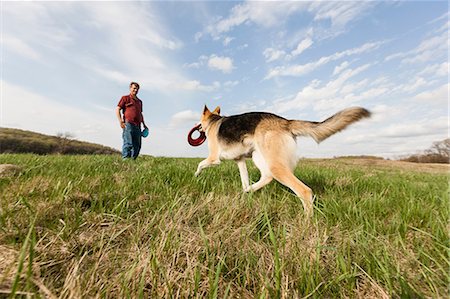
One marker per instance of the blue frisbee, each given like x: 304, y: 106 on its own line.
x: 144, y: 132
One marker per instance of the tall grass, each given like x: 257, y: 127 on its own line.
x: 94, y: 226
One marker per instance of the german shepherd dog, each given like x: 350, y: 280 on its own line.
x: 270, y: 140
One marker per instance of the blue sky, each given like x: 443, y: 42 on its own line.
x: 65, y: 65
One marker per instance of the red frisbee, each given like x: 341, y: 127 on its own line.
x: 200, y: 139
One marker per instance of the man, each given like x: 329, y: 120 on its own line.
x: 130, y: 121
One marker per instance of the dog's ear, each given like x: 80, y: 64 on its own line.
x: 217, y: 110
x: 205, y: 110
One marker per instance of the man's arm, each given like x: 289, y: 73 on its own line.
x: 119, y: 117
x: 145, y: 126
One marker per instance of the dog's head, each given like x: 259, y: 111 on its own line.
x: 207, y: 116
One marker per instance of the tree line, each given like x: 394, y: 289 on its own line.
x: 439, y: 152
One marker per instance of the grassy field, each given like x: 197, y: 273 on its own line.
x: 94, y: 226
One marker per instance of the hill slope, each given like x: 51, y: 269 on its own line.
x: 20, y: 141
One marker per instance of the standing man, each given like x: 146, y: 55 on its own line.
x: 130, y: 121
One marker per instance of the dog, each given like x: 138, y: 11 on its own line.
x: 270, y: 140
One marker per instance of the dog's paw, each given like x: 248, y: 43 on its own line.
x: 197, y: 173
x: 248, y: 189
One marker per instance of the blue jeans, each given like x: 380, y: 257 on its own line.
x: 131, y: 141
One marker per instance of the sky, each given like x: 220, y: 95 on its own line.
x: 65, y: 66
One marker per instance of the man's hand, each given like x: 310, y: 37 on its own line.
x: 119, y: 117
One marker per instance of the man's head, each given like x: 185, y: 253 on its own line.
x: 134, y: 88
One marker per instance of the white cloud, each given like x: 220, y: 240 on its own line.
x: 438, y: 96
x: 382, y: 113
x: 195, y: 85
x: 270, y: 14
x: 227, y: 40
x: 428, y: 50
x: 35, y: 25
x: 242, y: 47
x: 339, y: 12
x: 340, y: 67
x: 419, y: 128
x: 193, y: 65
x: 230, y: 84
x: 299, y: 70
x: 221, y: 63
x: 272, y: 54
x: 136, y: 26
x: 138, y: 40
x: 18, y: 46
x: 110, y: 74
x: 414, y: 85
x: 214, y: 62
x: 334, y: 95
x: 435, y: 47
x: 132, y: 45
x: 262, y: 13
x: 438, y: 70
x: 395, y: 56
x: 302, y: 46
x: 184, y: 117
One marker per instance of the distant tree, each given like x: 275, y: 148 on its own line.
x: 439, y: 152
x: 442, y: 148
x: 65, y: 139
x: 65, y: 135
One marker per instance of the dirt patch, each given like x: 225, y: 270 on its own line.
x: 9, y: 264
x: 408, y: 166
x: 389, y: 164
x: 9, y: 170
x: 8, y: 257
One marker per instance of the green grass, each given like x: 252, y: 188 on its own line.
x: 87, y: 226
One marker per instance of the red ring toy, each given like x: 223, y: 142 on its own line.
x: 200, y: 139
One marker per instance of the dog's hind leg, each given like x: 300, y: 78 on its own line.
x: 280, y: 157
x: 284, y: 175
x: 243, y: 172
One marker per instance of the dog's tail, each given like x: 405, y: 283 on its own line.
x: 322, y: 130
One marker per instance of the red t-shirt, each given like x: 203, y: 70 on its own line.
x: 132, y: 109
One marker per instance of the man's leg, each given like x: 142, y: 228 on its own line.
x: 137, y: 141
x: 127, y: 141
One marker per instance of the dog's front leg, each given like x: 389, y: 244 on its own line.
x: 206, y: 163
x: 244, y: 173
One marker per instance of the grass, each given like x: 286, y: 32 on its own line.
x: 94, y: 226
